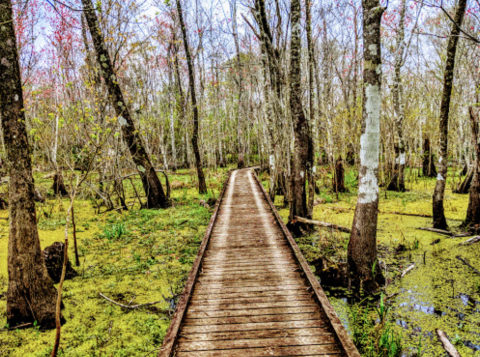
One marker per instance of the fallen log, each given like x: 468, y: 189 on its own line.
x: 471, y: 241
x: 447, y: 345
x: 439, y: 231
x: 323, y: 224
x: 405, y: 272
x: 466, y: 262
x: 132, y: 307
x: 460, y: 235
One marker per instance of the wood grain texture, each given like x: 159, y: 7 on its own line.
x: 252, y: 293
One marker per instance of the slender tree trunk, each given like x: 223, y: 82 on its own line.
x: 240, y: 111
x: 362, y: 248
x: 312, y: 119
x: 473, y: 210
x: 151, y: 184
x: 298, y: 204
x: 31, y: 295
x: 398, y: 104
x: 202, y: 186
x: 439, y: 220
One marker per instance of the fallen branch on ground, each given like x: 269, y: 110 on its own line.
x: 17, y: 327
x: 405, y: 272
x: 323, y: 224
x: 465, y: 261
x: 447, y: 345
x: 133, y: 307
x: 439, y: 231
x: 342, y: 209
x: 472, y: 240
x: 466, y: 234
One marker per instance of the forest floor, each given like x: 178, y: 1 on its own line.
x: 145, y: 255
x: 138, y: 256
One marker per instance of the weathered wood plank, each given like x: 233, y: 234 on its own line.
x: 235, y: 335
x: 257, y: 342
x: 200, y: 314
x: 251, y: 305
x: 259, y: 326
x: 266, y: 351
x: 254, y: 319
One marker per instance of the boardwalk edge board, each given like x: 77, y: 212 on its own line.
x: 341, y: 332
x: 172, y: 332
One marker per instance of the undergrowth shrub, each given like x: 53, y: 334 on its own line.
x: 373, y: 332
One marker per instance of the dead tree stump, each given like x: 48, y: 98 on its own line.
x: 59, y: 186
x: 429, y: 169
x: 54, y: 255
x: 339, y: 177
x: 466, y: 183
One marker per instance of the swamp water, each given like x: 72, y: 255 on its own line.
x: 439, y: 293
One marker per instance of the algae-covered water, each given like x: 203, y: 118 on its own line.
x: 136, y: 257
x: 439, y: 293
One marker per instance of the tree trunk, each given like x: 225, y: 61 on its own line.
x: 429, y: 169
x: 473, y: 210
x: 31, y: 295
x: 363, y: 264
x: 151, y: 184
x: 439, y: 220
x: 298, y: 204
x: 202, y: 186
x: 312, y: 119
x: 398, y: 104
x: 240, y: 116
x: 339, y: 177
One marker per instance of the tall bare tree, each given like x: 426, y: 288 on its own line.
x: 31, y: 295
x: 439, y: 220
x: 240, y: 111
x: 298, y: 204
x: 202, y: 186
x: 362, y: 249
x: 151, y: 184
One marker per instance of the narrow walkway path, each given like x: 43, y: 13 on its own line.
x: 251, y: 296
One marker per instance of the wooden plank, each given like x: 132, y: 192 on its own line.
x: 251, y: 305
x: 234, y: 270
x: 254, y: 319
x: 170, y: 337
x: 235, y: 335
x: 325, y: 350
x: 207, y: 290
x: 250, y: 276
x: 257, y: 342
x: 200, y: 314
x: 233, y: 283
x: 259, y: 326
x: 250, y: 300
x: 218, y: 294
x: 348, y: 346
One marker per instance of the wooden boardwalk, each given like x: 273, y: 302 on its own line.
x: 250, y: 292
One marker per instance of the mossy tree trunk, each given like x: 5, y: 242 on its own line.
x: 473, y: 210
x: 298, y: 204
x: 439, y: 220
x: 31, y: 295
x: 312, y: 117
